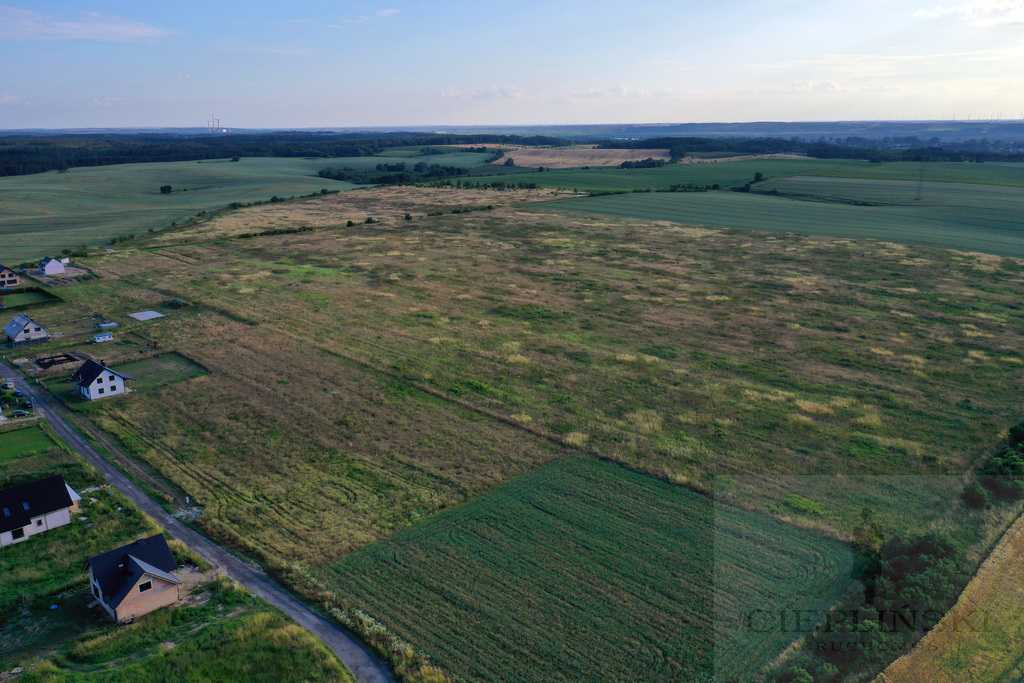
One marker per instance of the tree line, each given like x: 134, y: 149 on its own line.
x: 888, y: 149
x: 23, y: 155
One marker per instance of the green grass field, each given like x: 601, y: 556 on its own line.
x: 15, y: 443
x: 966, y: 217
x: 584, y: 570
x: 44, y: 213
x: 158, y: 371
x: 393, y: 370
x: 20, y: 299
x: 730, y: 173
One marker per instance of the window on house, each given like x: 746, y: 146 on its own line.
x: 18, y: 533
x: 39, y: 522
x: 111, y: 378
x: 101, y: 390
x: 25, y: 505
x: 39, y: 329
x: 7, y: 512
x: 145, y: 586
x: 99, y: 380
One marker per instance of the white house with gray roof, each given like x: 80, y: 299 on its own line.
x: 96, y: 380
x: 51, y: 266
x: 24, y: 330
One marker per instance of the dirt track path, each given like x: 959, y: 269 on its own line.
x: 367, y: 667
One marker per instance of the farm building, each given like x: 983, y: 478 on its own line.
x: 96, y: 380
x: 23, y: 330
x: 51, y: 266
x: 134, y: 579
x: 8, y: 278
x: 37, y: 506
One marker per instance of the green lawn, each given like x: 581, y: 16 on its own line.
x: 966, y: 217
x: 24, y: 441
x: 18, y: 299
x: 158, y: 371
x: 584, y: 570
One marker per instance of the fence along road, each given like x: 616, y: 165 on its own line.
x: 366, y: 667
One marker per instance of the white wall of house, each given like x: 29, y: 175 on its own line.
x: 52, y: 268
x: 107, y: 384
x: 31, y: 332
x: 9, y: 278
x: 38, y: 525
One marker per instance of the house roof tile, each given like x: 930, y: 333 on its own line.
x: 19, y: 504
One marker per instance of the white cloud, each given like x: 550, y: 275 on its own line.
x: 982, y: 13
x: 490, y: 92
x: 9, y: 99
x: 20, y: 24
x: 186, y: 77
x: 380, y: 14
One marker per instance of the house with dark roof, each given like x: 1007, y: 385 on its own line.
x: 51, y: 266
x: 8, y: 278
x: 96, y: 380
x: 24, y: 330
x: 134, y: 579
x: 34, y: 507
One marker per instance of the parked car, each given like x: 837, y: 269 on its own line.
x: 28, y: 404
x: 8, y: 385
x: 20, y: 413
x: 19, y: 393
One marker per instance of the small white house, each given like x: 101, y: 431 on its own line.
x: 96, y: 380
x: 37, y: 506
x: 51, y: 266
x: 24, y: 330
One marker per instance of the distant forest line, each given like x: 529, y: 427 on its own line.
x: 26, y: 155
x: 36, y: 154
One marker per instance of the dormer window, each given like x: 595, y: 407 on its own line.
x: 25, y: 505
x: 7, y: 512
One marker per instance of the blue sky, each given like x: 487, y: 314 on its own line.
x: 392, y: 63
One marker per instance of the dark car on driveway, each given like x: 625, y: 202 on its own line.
x: 20, y: 413
x: 19, y: 393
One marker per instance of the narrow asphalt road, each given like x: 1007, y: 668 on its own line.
x: 367, y: 667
